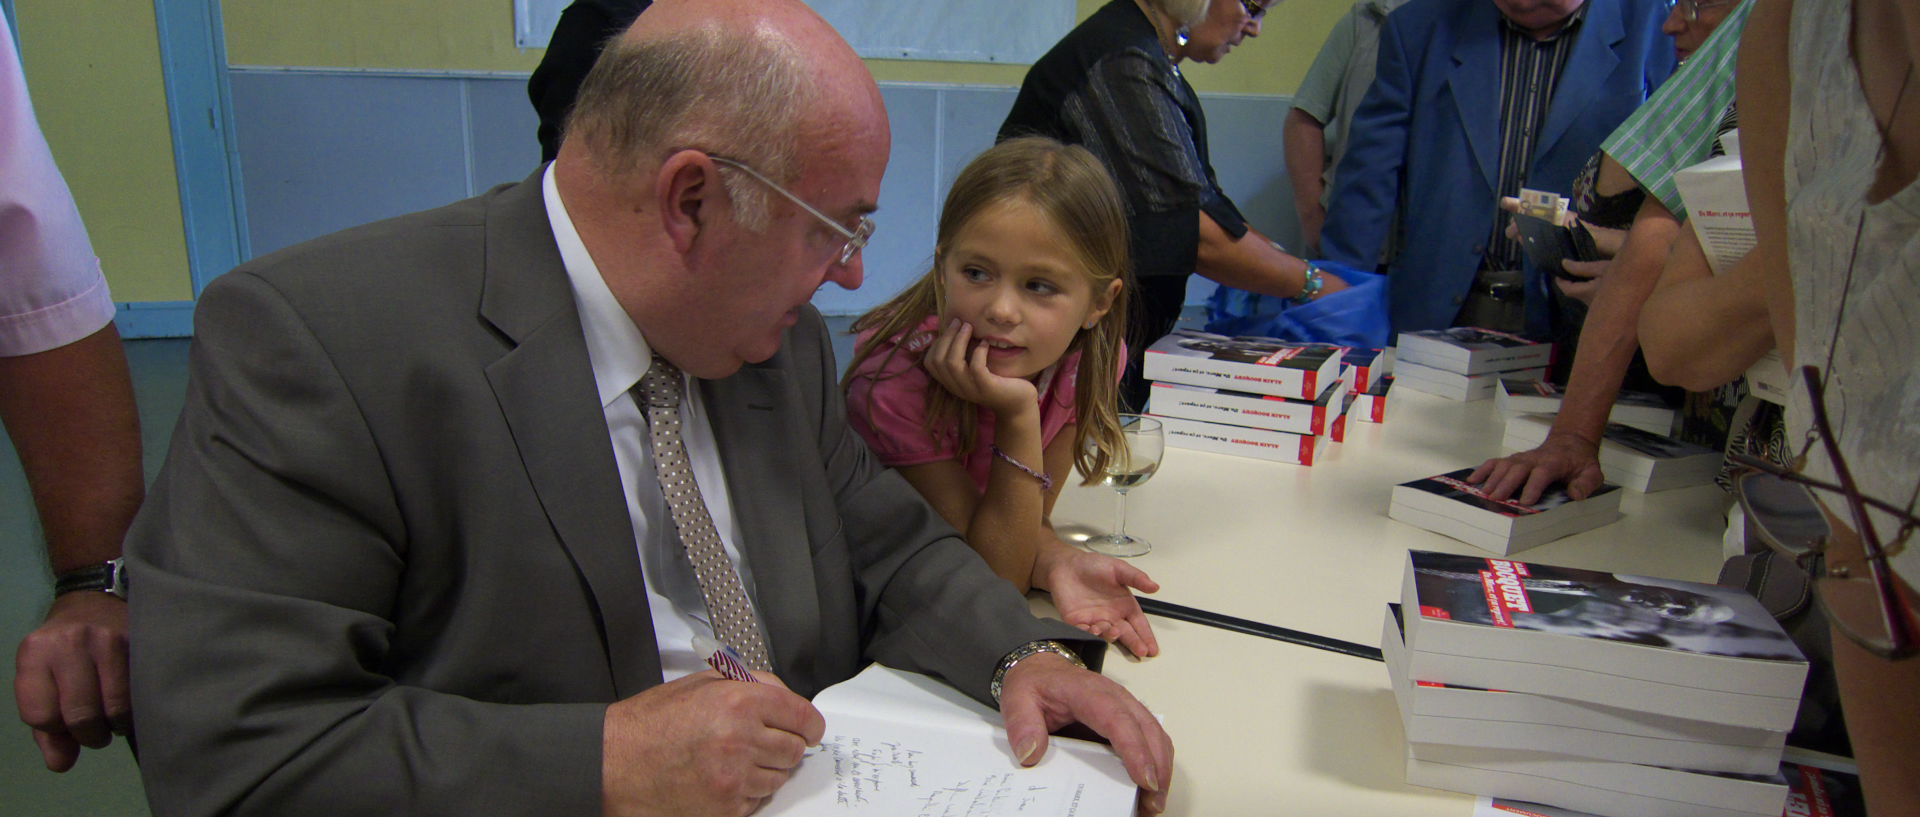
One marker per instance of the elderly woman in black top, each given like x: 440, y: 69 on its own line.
x: 1113, y: 84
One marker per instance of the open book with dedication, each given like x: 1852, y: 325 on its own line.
x: 1634, y: 457
x: 1642, y: 410
x: 901, y: 744
x: 1668, y: 647
x: 1447, y: 504
x: 1433, y: 712
x: 1246, y: 364
x: 1470, y: 350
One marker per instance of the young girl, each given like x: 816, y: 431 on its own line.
x: 990, y: 379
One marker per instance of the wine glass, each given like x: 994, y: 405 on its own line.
x: 1129, y: 467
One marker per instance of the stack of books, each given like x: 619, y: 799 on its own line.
x: 1364, y: 367
x: 1642, y: 410
x: 1812, y: 791
x: 1369, y: 405
x: 1465, y: 363
x: 1632, y: 457
x: 1369, y: 374
x: 1622, y: 696
x: 1446, y: 504
x: 1247, y: 396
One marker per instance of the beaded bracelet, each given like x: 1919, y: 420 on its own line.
x: 1046, y: 482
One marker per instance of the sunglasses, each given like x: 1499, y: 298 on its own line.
x: 1258, y: 8
x: 1860, y: 595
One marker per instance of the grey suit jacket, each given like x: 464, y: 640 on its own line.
x: 387, y: 567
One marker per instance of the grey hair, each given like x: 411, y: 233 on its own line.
x: 1183, y: 12
x: 743, y: 97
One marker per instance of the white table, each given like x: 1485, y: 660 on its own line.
x: 1263, y: 727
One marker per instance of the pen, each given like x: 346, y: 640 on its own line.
x: 724, y: 659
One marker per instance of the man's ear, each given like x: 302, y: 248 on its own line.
x: 685, y: 190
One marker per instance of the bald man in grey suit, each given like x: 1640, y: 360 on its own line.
x: 390, y: 565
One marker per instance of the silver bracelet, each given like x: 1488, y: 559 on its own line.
x: 1024, y: 652
x: 1046, y: 482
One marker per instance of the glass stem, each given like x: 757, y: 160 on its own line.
x: 1120, y: 515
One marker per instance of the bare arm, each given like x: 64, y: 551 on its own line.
x: 71, y: 415
x: 1253, y: 263
x: 1607, y: 343
x: 1700, y: 330
x: 1306, y: 154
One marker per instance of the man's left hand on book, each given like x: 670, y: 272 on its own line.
x: 1561, y: 458
x: 1046, y: 692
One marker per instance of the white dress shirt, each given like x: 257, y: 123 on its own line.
x: 620, y: 356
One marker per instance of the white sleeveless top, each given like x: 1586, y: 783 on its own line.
x: 1873, y: 382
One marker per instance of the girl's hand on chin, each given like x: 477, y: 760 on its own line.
x: 960, y: 365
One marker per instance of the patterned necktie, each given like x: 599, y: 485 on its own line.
x: 727, y: 604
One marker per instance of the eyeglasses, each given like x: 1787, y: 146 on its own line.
x: 1257, y: 8
x: 856, y: 237
x: 1866, y: 605
x: 1690, y: 9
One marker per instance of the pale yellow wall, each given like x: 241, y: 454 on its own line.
x: 93, y: 68
x: 477, y: 35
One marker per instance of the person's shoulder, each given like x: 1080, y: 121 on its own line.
x: 375, y: 248
x: 1420, y: 18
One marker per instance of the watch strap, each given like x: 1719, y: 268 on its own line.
x: 108, y: 576
x: 1024, y: 652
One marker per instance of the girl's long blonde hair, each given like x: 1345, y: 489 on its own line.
x: 1071, y: 186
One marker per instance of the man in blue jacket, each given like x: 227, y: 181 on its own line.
x: 1472, y: 100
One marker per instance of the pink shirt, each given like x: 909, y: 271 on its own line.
x: 887, y: 405
x: 51, y: 290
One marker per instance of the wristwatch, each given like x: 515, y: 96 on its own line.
x: 1024, y: 652
x: 109, y: 576
x: 1315, y: 282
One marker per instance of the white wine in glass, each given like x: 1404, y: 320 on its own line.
x: 1128, y: 468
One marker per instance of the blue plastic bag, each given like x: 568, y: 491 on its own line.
x: 1355, y: 316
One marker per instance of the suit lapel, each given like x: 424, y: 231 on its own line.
x: 1584, y: 79
x: 770, y: 525
x: 563, y: 442
x: 1476, y: 80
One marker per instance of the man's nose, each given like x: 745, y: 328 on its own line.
x: 851, y: 274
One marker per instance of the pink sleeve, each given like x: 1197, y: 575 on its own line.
x: 53, y: 294
x: 888, y: 409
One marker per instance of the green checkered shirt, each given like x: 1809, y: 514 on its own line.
x: 1677, y: 126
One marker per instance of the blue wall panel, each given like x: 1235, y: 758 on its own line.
x: 902, y: 242
x: 502, y: 126
x: 322, y: 151
x: 969, y: 119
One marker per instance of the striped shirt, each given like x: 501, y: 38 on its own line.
x: 1529, y: 73
x: 1677, y: 126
